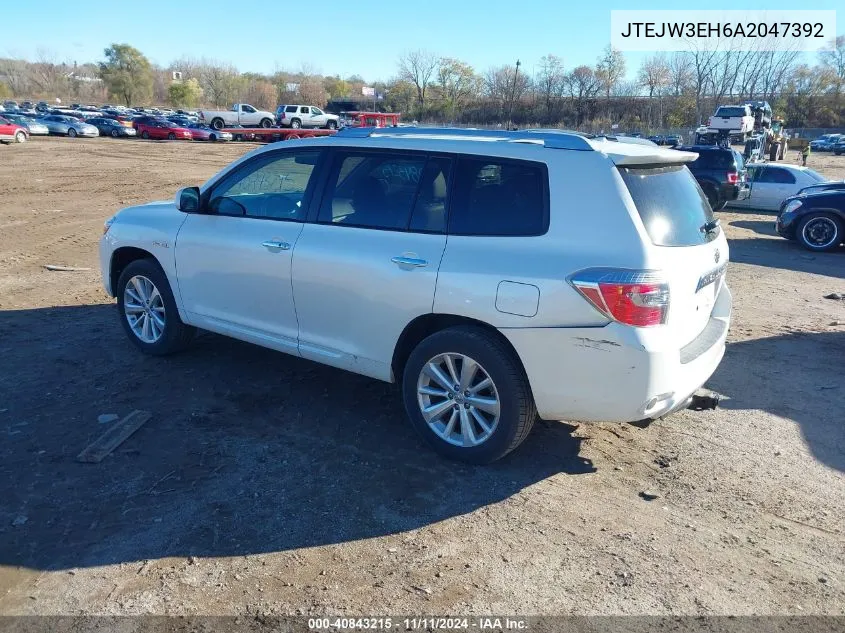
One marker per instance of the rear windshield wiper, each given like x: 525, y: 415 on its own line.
x: 709, y: 227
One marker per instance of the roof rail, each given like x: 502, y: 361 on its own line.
x: 558, y: 139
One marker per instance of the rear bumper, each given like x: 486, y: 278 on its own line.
x: 618, y: 373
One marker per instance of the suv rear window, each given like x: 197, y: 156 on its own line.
x: 671, y: 205
x: 290, y: 109
x: 716, y: 159
x: 499, y: 197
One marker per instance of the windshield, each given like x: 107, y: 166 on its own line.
x: 671, y: 205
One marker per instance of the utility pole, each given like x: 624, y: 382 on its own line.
x: 513, y: 93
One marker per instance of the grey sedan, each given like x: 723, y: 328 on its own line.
x: 35, y: 128
x: 68, y: 126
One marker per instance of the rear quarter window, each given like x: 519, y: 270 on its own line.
x: 494, y: 196
x: 670, y: 203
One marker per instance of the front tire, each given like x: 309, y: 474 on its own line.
x: 148, y: 311
x: 332, y: 125
x: 820, y: 232
x: 466, y: 393
x: 171, y: 137
x: 145, y: 135
x: 20, y: 137
x: 115, y: 133
x: 71, y: 132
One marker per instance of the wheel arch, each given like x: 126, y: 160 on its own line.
x: 427, y: 324
x: 124, y: 256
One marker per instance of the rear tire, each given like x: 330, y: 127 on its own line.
x: 174, y: 336
x: 296, y: 124
x: 171, y: 137
x: 217, y: 123
x: 820, y: 232
x: 145, y: 135
x: 115, y: 133
x: 508, y: 393
x: 265, y: 123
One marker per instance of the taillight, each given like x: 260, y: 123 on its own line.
x: 733, y: 177
x: 633, y: 297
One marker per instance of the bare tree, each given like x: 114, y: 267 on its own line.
x: 654, y: 75
x: 833, y: 58
x: 550, y: 82
x: 582, y: 86
x: 680, y: 73
x: 418, y: 67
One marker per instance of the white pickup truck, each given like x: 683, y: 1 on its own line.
x: 241, y: 114
x: 737, y: 119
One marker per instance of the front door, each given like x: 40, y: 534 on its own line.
x: 368, y: 266
x: 234, y: 261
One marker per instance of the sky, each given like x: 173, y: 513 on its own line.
x: 332, y: 37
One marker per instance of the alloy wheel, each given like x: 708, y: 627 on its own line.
x: 820, y: 232
x: 458, y: 399
x: 143, y: 306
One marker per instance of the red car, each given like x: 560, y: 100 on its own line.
x: 12, y: 132
x: 162, y: 130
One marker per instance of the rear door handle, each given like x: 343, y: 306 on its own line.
x: 274, y: 245
x: 409, y: 261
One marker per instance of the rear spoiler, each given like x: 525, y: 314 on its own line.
x: 629, y: 154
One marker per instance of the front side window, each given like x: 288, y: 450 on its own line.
x: 273, y: 186
x: 316, y: 111
x: 499, y: 197
x: 372, y: 190
x: 303, y: 110
x: 248, y: 109
x: 775, y: 175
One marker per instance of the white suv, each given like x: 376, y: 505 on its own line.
x: 495, y: 275
x: 297, y: 116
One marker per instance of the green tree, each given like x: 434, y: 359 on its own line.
x: 184, y: 94
x: 126, y: 73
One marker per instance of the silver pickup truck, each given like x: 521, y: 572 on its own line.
x: 241, y: 114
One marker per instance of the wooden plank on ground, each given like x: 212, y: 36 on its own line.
x: 113, y: 437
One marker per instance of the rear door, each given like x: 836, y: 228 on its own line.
x: 367, y: 265
x: 676, y: 217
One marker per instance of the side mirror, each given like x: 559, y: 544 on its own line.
x: 188, y: 199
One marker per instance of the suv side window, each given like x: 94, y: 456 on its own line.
x: 495, y: 196
x: 372, y: 190
x: 290, y: 109
x: 429, y: 214
x: 274, y: 185
x: 775, y: 175
x: 316, y: 111
x: 303, y: 110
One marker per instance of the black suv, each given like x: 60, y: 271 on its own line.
x: 720, y: 171
x: 814, y: 220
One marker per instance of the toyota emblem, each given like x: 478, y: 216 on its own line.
x: 717, y: 255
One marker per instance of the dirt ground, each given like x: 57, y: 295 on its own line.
x: 266, y: 484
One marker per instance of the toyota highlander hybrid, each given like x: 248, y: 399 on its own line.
x: 496, y: 276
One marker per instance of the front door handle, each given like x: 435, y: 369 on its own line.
x: 409, y: 261
x: 275, y: 245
